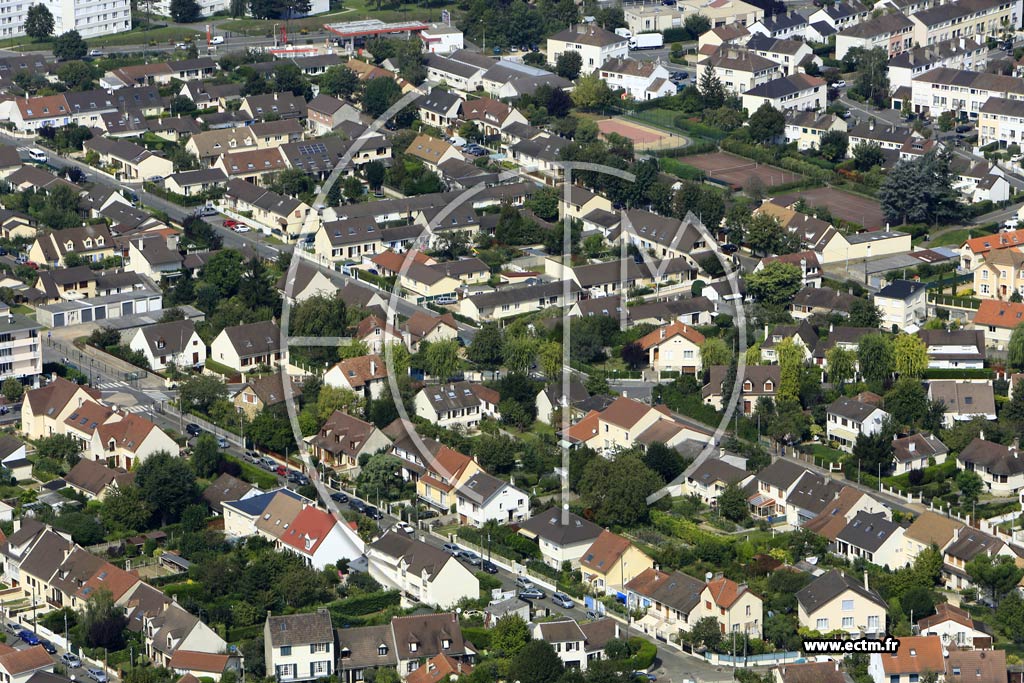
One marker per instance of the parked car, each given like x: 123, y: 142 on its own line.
x: 357, y: 505
x: 523, y: 582
x: 489, y: 567
x: 70, y: 660
x: 963, y: 128
x: 644, y: 676
x: 452, y: 549
x: 427, y: 514
x: 48, y: 646
x: 37, y: 155
x: 217, y: 40
x: 251, y: 457
x: 192, y: 429
x: 298, y: 478
x: 729, y: 248
x: 839, y: 84
x: 13, y: 628
x: 181, y: 46
x: 405, y: 528
x: 562, y: 600
x: 469, y: 557
x: 373, y: 513
x: 95, y: 53
x: 28, y: 636
x: 532, y: 594
x: 242, y: 228
x: 222, y: 442
x: 97, y: 675
x: 229, y: 223
x: 269, y: 464
x: 339, y: 497
x: 281, y: 471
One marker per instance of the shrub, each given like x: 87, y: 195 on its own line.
x: 646, y: 651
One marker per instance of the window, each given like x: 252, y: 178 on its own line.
x: 873, y: 624
x: 286, y: 650
x: 847, y: 622
x: 847, y: 605
x: 822, y: 625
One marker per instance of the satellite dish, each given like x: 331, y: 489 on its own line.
x: 458, y: 610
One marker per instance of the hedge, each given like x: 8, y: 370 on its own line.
x: 681, y: 170
x: 646, y: 651
x: 697, y: 128
x: 179, y: 199
x: 479, y: 636
x: 240, y: 633
x: 759, y: 154
x: 362, y: 605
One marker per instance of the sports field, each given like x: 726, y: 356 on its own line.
x: 847, y: 206
x: 738, y: 171
x: 643, y: 137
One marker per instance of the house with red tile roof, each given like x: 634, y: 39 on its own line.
x: 365, y: 375
x: 319, y: 539
x: 916, y: 656
x: 129, y: 441
x: 674, y: 347
x: 17, y: 666
x: 612, y: 561
x: 972, y: 251
x: 440, y: 668
x: 734, y: 606
x: 997, y: 319
x: 445, y: 471
x: 954, y: 625
x: 202, y: 664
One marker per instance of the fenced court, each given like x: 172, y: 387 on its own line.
x: 739, y: 171
x: 852, y: 208
x: 645, y: 138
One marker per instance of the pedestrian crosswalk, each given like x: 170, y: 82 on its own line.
x: 147, y: 408
x: 110, y: 385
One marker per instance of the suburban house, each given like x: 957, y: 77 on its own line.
x: 94, y: 479
x: 903, y: 305
x: 450, y: 405
x: 299, y: 647
x: 967, y: 544
x: 798, y: 92
x: 577, y: 644
x: 482, y: 497
x: 264, y: 391
x: 948, y: 349
x: 245, y: 348
x: 611, y: 562
x: 732, y: 605
x: 875, y: 537
x: 129, y: 441
x: 917, y: 451
x: 421, y: 572
x: 594, y: 44
x: 562, y: 535
x: 997, y: 320
x: 954, y: 626
x: 132, y: 163
x: 835, y: 602
x: 673, y: 348
x: 916, y: 656
x: 173, y: 343
x: 999, y: 466
x: 44, y: 410
x: 774, y: 483
x: 964, y: 400
x: 846, y: 419
x: 365, y: 375
x: 711, y: 477
x: 757, y: 381
x: 343, y: 438
x: 928, y: 529
x: 838, y: 513
x: 670, y: 600
x: 983, y: 665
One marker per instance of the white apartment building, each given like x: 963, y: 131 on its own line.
x: 962, y: 92
x: 594, y: 44
x: 740, y: 70
x: 207, y: 8
x: 799, y: 92
x: 891, y: 32
x: 964, y: 19
x: 903, y: 304
x: 91, y: 18
x: 962, y: 54
x: 1001, y: 120
x: 21, y: 356
x: 641, y: 80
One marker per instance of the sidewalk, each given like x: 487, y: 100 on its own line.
x: 91, y: 360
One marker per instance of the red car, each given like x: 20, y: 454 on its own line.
x: 281, y: 470
x: 230, y: 223
x: 32, y: 264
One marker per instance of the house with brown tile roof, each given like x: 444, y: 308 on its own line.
x: 955, y: 626
x: 809, y: 672
x: 675, y: 348
x: 423, y: 326
x: 265, y: 391
x: 45, y: 409
x: 838, y: 513
x: 562, y: 535
x: 86, y: 419
x: 203, y: 664
x: 930, y: 529
x: 227, y: 488
x: 917, y: 451
x: 429, y: 575
x: 734, y: 606
x: 835, y: 601
x: 917, y: 655
x: 252, y: 164
x: 94, y: 479
x: 482, y: 497
x: 130, y: 441
x: 247, y: 347
x: 376, y: 334
x: 440, y: 668
x: 364, y: 375
x: 343, y: 438
x: 431, y: 151
x: 278, y: 515
x: 17, y: 666
x: 671, y: 601
x: 611, y: 562
x: 977, y: 666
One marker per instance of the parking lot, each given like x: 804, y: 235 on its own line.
x: 22, y: 637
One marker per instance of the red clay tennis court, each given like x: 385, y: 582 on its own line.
x: 844, y: 205
x: 739, y: 171
x: 643, y: 137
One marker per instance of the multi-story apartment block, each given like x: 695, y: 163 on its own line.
x: 963, y: 93
x: 21, y: 356
x: 891, y: 32
x: 964, y: 19
x: 739, y: 69
x: 1001, y: 120
x: 90, y: 18
x: 962, y: 54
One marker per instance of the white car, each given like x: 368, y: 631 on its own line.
x: 1016, y: 158
x: 242, y: 228
x: 95, y: 53
x: 37, y: 155
x: 840, y: 84
x: 405, y: 528
x: 217, y: 40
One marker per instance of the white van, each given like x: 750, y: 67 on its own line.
x: 37, y: 155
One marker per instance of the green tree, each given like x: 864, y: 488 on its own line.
x: 766, y: 124
x: 714, y: 351
x: 38, y: 22
x: 200, y: 392
x: 833, y: 145
x: 765, y: 235
x: 907, y: 401
x: 519, y: 353
x: 872, y: 81
x: 12, y: 389
x: 867, y: 155
x: 791, y: 364
x: 616, y: 490
x: 874, y: 356
x: 666, y: 462
x: 1010, y: 616
x: 485, y: 349
x: 167, y: 483
x: 185, y: 11
x: 549, y: 358
x: 69, y: 46
x: 711, y: 88
x: 380, y: 478
x: 591, y: 93
x: 696, y: 25
x: 340, y: 81
x: 496, y: 454
x: 732, y: 503
x: 125, y: 510
x: 909, y: 355
x: 84, y: 528
x: 970, y: 485
x: 775, y: 284
x: 62, y: 447
x: 104, y: 622
x: 441, y: 359
x: 921, y: 191
x: 509, y: 635
x: 374, y: 172
x: 378, y: 96
x: 864, y: 313
x: 705, y: 632
x: 1015, y: 349
x: 206, y: 456
x: 840, y: 365
x: 999, y: 575
x: 535, y: 662
x: 568, y: 64
x: 874, y: 452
